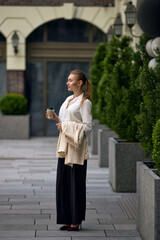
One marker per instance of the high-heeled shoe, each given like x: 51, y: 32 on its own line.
x: 65, y: 227
x: 75, y: 228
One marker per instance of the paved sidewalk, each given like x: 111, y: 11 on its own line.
x: 27, y: 197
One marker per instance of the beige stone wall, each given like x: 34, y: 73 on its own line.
x: 24, y: 19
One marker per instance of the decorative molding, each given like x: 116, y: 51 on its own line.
x: 61, y: 51
x: 68, y: 10
x: 107, y: 3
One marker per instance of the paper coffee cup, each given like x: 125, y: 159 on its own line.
x: 50, y: 113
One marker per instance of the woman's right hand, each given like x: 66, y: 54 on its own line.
x: 55, y: 117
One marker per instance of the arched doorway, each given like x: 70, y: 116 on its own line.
x: 3, y: 75
x: 53, y: 50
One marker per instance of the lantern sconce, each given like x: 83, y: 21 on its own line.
x: 118, y: 26
x: 15, y: 42
x: 131, y: 15
x: 110, y: 33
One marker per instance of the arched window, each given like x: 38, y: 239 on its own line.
x: 62, y: 30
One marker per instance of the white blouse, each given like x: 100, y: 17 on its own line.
x: 76, y: 112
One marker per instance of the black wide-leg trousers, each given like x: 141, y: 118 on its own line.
x: 71, y: 193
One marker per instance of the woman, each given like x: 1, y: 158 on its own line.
x: 71, y: 181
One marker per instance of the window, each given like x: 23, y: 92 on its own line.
x: 37, y: 35
x: 72, y: 31
x: 2, y: 38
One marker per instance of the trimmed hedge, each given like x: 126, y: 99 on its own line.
x: 13, y: 104
x: 156, y: 145
x: 104, y: 85
x: 127, y: 97
x: 118, y: 97
x: 148, y: 82
x: 96, y: 73
x: 126, y: 124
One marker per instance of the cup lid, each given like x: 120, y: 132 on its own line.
x: 50, y: 108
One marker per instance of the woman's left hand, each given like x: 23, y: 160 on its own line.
x: 59, y: 126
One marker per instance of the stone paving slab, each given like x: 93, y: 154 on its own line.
x: 106, y: 238
x: 125, y: 226
x: 37, y: 238
x: 17, y: 233
x: 124, y: 238
x: 18, y: 221
x: 28, y: 200
x: 89, y: 238
x: 116, y: 221
x: 82, y: 233
x: 121, y: 233
x: 24, y: 216
x: 22, y: 227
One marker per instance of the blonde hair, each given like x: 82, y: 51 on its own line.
x: 81, y: 76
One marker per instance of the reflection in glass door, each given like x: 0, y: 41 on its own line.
x: 57, y: 74
x: 47, y: 88
x: 3, y: 79
x: 34, y: 76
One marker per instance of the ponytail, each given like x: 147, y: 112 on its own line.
x: 87, y: 94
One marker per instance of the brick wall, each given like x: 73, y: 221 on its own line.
x: 15, y: 82
x: 57, y: 2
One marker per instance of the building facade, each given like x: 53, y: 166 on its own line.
x: 55, y: 37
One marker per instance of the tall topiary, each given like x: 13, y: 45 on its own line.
x: 109, y: 62
x: 119, y: 96
x: 149, y: 82
x: 101, y: 102
x: 118, y: 81
x: 125, y: 123
x: 156, y: 145
x: 96, y: 72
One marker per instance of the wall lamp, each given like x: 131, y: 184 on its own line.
x: 118, y: 26
x: 110, y: 33
x: 131, y: 15
x: 15, y: 42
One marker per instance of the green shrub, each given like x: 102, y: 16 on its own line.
x: 118, y: 62
x: 104, y: 84
x: 126, y: 111
x: 101, y: 104
x: 149, y: 82
x: 96, y: 72
x: 156, y: 145
x: 13, y: 104
x: 119, y: 94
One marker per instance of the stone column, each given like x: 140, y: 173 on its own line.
x: 16, y: 65
x: 15, y: 82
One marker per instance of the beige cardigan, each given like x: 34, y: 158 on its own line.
x: 72, y: 144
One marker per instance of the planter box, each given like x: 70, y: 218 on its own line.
x: 14, y: 127
x: 122, y: 164
x: 94, y: 136
x: 148, y: 189
x: 103, y: 137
